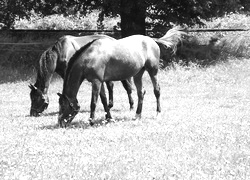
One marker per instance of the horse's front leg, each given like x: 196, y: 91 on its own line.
x: 98, y: 88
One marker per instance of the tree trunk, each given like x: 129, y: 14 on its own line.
x: 133, y: 14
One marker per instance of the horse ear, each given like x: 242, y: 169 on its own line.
x: 78, y: 106
x: 59, y: 94
x: 32, y: 87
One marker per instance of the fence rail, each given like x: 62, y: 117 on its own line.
x: 217, y: 30
x: 56, y: 30
x: 85, y: 32
x: 118, y: 31
x: 23, y: 47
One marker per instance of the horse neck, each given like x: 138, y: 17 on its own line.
x: 75, y: 72
x: 72, y: 82
x: 45, y: 73
x: 41, y: 82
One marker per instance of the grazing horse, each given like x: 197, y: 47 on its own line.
x: 55, y: 59
x: 111, y: 60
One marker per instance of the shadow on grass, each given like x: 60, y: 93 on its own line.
x: 50, y: 114
x: 85, y: 125
x: 56, y: 113
x: 73, y: 125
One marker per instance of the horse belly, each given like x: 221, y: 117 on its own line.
x: 119, y: 69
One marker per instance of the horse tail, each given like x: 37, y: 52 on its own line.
x: 172, y: 38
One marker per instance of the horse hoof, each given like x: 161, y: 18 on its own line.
x: 110, y: 120
x: 91, y: 123
x: 158, y: 116
x: 110, y: 105
x: 137, y: 117
x: 108, y: 116
x: 62, y: 125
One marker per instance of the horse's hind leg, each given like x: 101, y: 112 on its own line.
x: 110, y: 86
x: 104, y: 102
x: 154, y: 79
x: 128, y: 87
x: 140, y: 93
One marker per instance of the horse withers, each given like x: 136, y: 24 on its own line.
x: 55, y: 59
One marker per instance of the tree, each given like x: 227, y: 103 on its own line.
x: 11, y: 9
x: 132, y: 17
x: 191, y: 12
x: 159, y: 13
x: 164, y: 13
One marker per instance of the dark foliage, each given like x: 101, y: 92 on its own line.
x: 162, y: 12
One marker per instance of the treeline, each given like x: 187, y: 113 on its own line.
x: 135, y: 15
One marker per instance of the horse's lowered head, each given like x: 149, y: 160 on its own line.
x: 68, y: 109
x: 39, y: 101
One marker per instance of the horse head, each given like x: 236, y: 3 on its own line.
x: 68, y: 109
x: 39, y: 101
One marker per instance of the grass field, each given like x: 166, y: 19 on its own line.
x: 204, y: 132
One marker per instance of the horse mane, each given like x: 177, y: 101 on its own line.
x: 58, y: 44
x: 49, y: 53
x: 46, y: 60
x: 43, y: 64
x: 172, y: 38
x: 41, y: 69
x: 75, y: 56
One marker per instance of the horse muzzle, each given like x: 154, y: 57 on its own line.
x: 64, y: 122
x: 36, y: 112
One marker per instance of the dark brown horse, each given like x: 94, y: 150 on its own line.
x: 111, y: 60
x: 55, y: 59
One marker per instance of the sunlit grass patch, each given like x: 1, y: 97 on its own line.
x: 203, y: 132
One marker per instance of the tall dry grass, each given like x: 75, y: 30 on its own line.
x: 209, y: 48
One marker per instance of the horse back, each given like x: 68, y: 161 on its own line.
x: 142, y: 44
x: 83, y: 40
x: 144, y: 48
x: 113, y: 60
x: 68, y: 45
